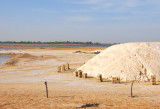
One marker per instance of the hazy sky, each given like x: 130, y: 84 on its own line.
x: 80, y: 20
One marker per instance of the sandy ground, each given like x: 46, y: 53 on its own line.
x: 22, y: 83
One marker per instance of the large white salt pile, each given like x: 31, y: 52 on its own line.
x: 130, y: 61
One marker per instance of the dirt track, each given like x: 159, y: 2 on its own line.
x: 22, y: 84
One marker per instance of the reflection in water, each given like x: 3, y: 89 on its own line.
x: 3, y: 59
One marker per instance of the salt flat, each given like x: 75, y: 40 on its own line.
x: 22, y: 83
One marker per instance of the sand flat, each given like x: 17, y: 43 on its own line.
x: 22, y: 84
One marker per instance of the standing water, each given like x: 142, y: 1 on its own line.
x: 3, y: 59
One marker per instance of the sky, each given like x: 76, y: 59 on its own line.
x: 105, y: 21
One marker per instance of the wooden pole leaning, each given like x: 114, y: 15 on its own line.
x: 46, y: 88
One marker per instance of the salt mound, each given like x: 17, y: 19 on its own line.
x: 130, y: 61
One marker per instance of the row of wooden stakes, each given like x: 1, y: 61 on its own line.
x: 115, y: 80
x: 80, y: 74
x: 62, y: 68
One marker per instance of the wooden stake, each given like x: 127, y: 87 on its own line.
x: 67, y: 65
x: 63, y: 68
x: 153, y: 80
x: 115, y: 80
x: 59, y: 69
x: 100, y: 78
x: 79, y: 73
x: 75, y: 73
x: 84, y: 75
x: 46, y: 88
x: 131, y: 88
x: 118, y: 80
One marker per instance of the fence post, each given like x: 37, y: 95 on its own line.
x: 67, y: 65
x: 75, y: 73
x: 131, y: 88
x: 79, y: 73
x: 59, y: 69
x: 63, y: 68
x: 100, y: 78
x: 84, y: 75
x: 46, y: 88
x: 153, y: 80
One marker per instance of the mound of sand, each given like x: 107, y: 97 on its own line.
x: 131, y: 61
x: 14, y: 60
x: 25, y: 55
x: 10, y: 62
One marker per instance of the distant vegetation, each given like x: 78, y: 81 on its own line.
x: 56, y: 42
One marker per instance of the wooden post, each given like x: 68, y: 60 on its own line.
x: 63, y: 68
x: 79, y: 73
x: 46, y: 88
x: 59, y: 69
x: 67, y: 65
x: 84, y: 75
x: 153, y: 80
x: 100, y: 78
x: 118, y: 80
x: 131, y: 88
x: 75, y: 73
x: 113, y: 79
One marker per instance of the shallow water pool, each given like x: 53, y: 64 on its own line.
x: 3, y: 59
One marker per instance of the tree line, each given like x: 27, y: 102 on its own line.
x: 56, y: 42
